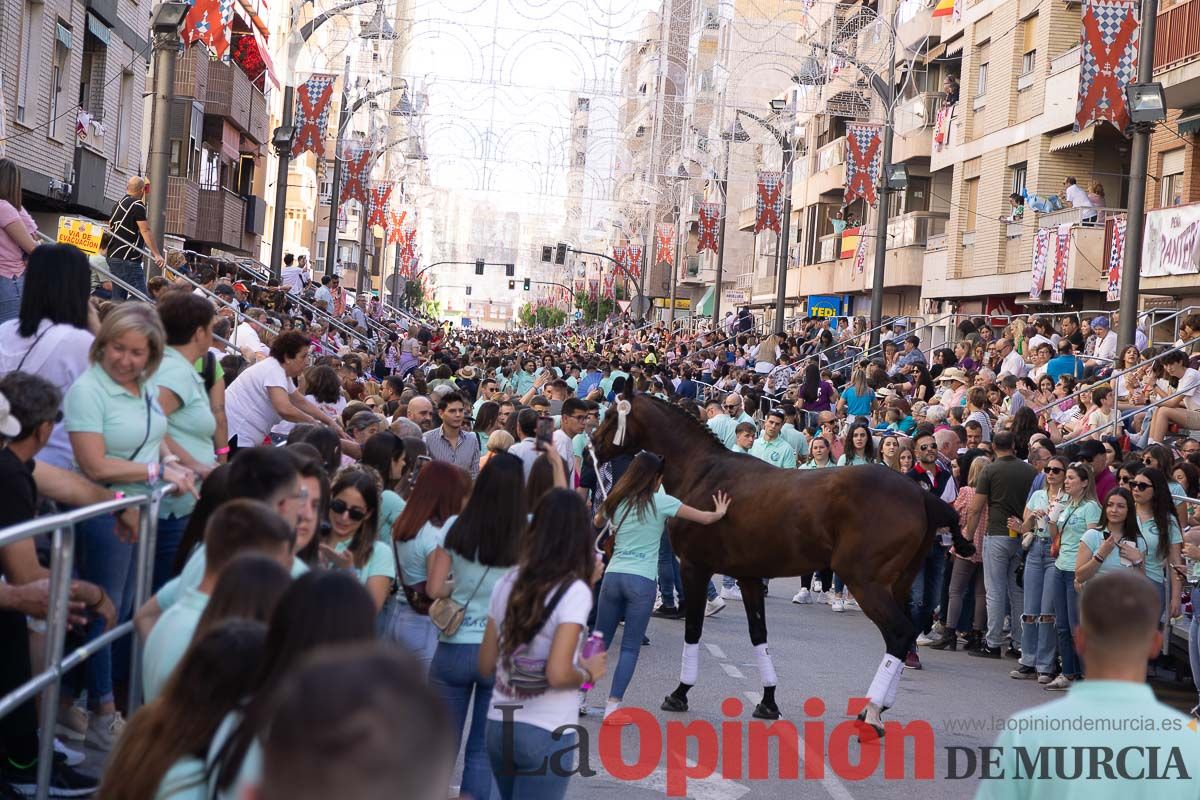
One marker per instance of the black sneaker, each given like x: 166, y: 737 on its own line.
x: 1023, y: 673
x: 985, y: 652
x: 64, y: 781
x: 1012, y: 652
x: 666, y: 611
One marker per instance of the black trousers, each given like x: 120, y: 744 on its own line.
x: 18, y: 730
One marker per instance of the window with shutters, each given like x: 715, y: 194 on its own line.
x: 971, y: 190
x: 1029, y: 47
x: 1171, y: 193
x: 30, y: 55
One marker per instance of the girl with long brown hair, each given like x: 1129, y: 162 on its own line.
x: 352, y: 542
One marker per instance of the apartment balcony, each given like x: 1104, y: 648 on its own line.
x: 907, y: 238
x: 827, y: 170
x: 1177, y: 53
x: 230, y: 94
x: 700, y: 270
x: 183, y: 202
x: 914, y: 127
x: 222, y: 218
x: 259, y: 128
x: 819, y: 278
x: 747, y: 211
x: 191, y: 74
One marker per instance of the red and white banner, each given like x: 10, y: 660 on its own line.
x: 210, y: 23
x: 665, y: 248
x: 395, y: 227
x: 769, y: 204
x: 1062, y: 251
x: 356, y: 167
x: 1041, y: 257
x: 377, y: 211
x: 633, y: 260
x: 1116, y: 255
x: 619, y: 256
x: 864, y: 152
x: 710, y: 219
x: 1172, y: 243
x: 312, y: 115
x: 1108, y: 59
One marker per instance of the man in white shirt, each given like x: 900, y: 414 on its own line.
x: 293, y: 276
x: 246, y: 336
x: 1011, y: 362
x: 1183, y: 409
x: 324, y: 298
x: 571, y: 421
x: 1106, y: 344
x: 1077, y: 197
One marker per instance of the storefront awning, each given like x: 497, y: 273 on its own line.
x: 1189, y: 121
x: 1062, y: 141
x: 705, y: 307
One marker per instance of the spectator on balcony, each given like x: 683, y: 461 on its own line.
x: 839, y: 222
x: 1095, y: 194
x: 18, y: 238
x: 130, y: 236
x: 1016, y: 210
x: 1076, y: 197
x: 951, y: 89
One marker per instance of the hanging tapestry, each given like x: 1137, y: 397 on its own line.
x: 769, y: 205
x: 312, y: 115
x: 210, y: 22
x: 356, y: 167
x: 863, y: 155
x: 378, y: 208
x: 665, y: 250
x: 1041, y: 256
x: 1116, y: 256
x: 1108, y: 62
x: 1062, y: 251
x: 633, y: 261
x: 710, y: 216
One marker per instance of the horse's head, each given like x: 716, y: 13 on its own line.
x: 620, y: 431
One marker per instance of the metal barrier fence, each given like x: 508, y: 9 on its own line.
x: 48, y: 682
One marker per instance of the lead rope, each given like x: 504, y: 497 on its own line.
x: 601, y: 491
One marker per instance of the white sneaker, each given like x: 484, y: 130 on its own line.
x: 73, y: 757
x: 104, y: 730
x: 73, y: 723
x: 802, y: 597
x: 852, y: 604
x: 816, y: 588
x: 926, y: 639
x: 714, y: 607
x: 732, y: 593
x: 1059, y: 684
x: 938, y: 630
x: 838, y: 604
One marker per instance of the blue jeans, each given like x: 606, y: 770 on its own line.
x: 129, y: 271
x: 1001, y: 557
x: 1194, y: 639
x: 166, y: 547
x: 668, y: 574
x: 630, y: 598
x: 412, y: 631
x: 109, y: 563
x: 926, y: 588
x: 10, y: 297
x: 529, y: 770
x: 1066, y: 619
x: 1038, y: 641
x: 454, y: 674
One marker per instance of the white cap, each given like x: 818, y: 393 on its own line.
x: 10, y: 426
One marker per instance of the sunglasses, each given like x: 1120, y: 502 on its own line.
x: 925, y: 447
x: 1139, y: 486
x: 340, y: 507
x: 1054, y: 470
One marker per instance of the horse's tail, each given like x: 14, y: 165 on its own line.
x: 940, y: 514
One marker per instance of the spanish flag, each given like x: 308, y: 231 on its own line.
x: 944, y: 8
x: 850, y: 238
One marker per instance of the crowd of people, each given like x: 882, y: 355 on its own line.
x: 333, y: 476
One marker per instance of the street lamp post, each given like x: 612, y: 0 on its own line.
x: 168, y: 16
x: 785, y: 145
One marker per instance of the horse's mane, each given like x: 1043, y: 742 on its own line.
x: 691, y: 419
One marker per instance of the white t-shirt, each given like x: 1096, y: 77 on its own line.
x: 566, y: 451
x: 294, y: 278
x: 1189, y: 386
x: 1078, y: 198
x: 247, y: 404
x: 1013, y: 365
x: 59, y: 356
x: 553, y: 708
x: 526, y: 450
x: 245, y: 336
x: 1106, y: 348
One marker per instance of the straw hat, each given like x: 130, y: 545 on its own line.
x: 953, y: 374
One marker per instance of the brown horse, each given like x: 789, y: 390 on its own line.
x: 873, y: 526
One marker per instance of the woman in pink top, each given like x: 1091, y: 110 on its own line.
x: 18, y: 237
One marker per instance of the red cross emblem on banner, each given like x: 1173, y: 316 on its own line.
x: 619, y: 258
x: 633, y: 260
x: 353, y: 188
x: 312, y: 114
x: 379, y: 205
x: 395, y: 231
x: 770, y: 202
x: 1105, y: 86
x: 665, y: 251
x: 709, y: 216
x: 860, y: 176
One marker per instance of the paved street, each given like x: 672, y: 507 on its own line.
x: 817, y: 654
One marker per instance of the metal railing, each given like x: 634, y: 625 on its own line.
x: 62, y: 559
x: 1129, y: 414
x: 1090, y: 216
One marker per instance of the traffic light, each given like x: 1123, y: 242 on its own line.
x: 510, y: 270
x: 527, y: 284
x: 547, y: 254
x: 512, y: 285
x: 479, y: 266
x: 560, y: 254
x: 468, y: 291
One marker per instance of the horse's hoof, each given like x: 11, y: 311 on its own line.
x: 764, y: 711
x: 878, y: 728
x: 674, y: 704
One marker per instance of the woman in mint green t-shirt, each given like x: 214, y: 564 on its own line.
x: 638, y: 509
x: 479, y: 549
x: 1115, y: 544
x: 1158, y: 520
x: 1066, y: 521
x: 352, y: 543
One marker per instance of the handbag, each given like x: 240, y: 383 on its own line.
x: 527, y: 676
x: 1056, y: 539
x: 447, y: 616
x: 418, y: 599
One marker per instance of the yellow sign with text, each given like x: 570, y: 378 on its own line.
x: 680, y: 302
x: 82, y: 233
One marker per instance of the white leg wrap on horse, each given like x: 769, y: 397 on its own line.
x: 885, y: 680
x: 690, y: 667
x: 890, y: 699
x: 766, y: 667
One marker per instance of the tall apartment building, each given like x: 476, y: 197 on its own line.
x: 1173, y: 153
x: 59, y: 56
